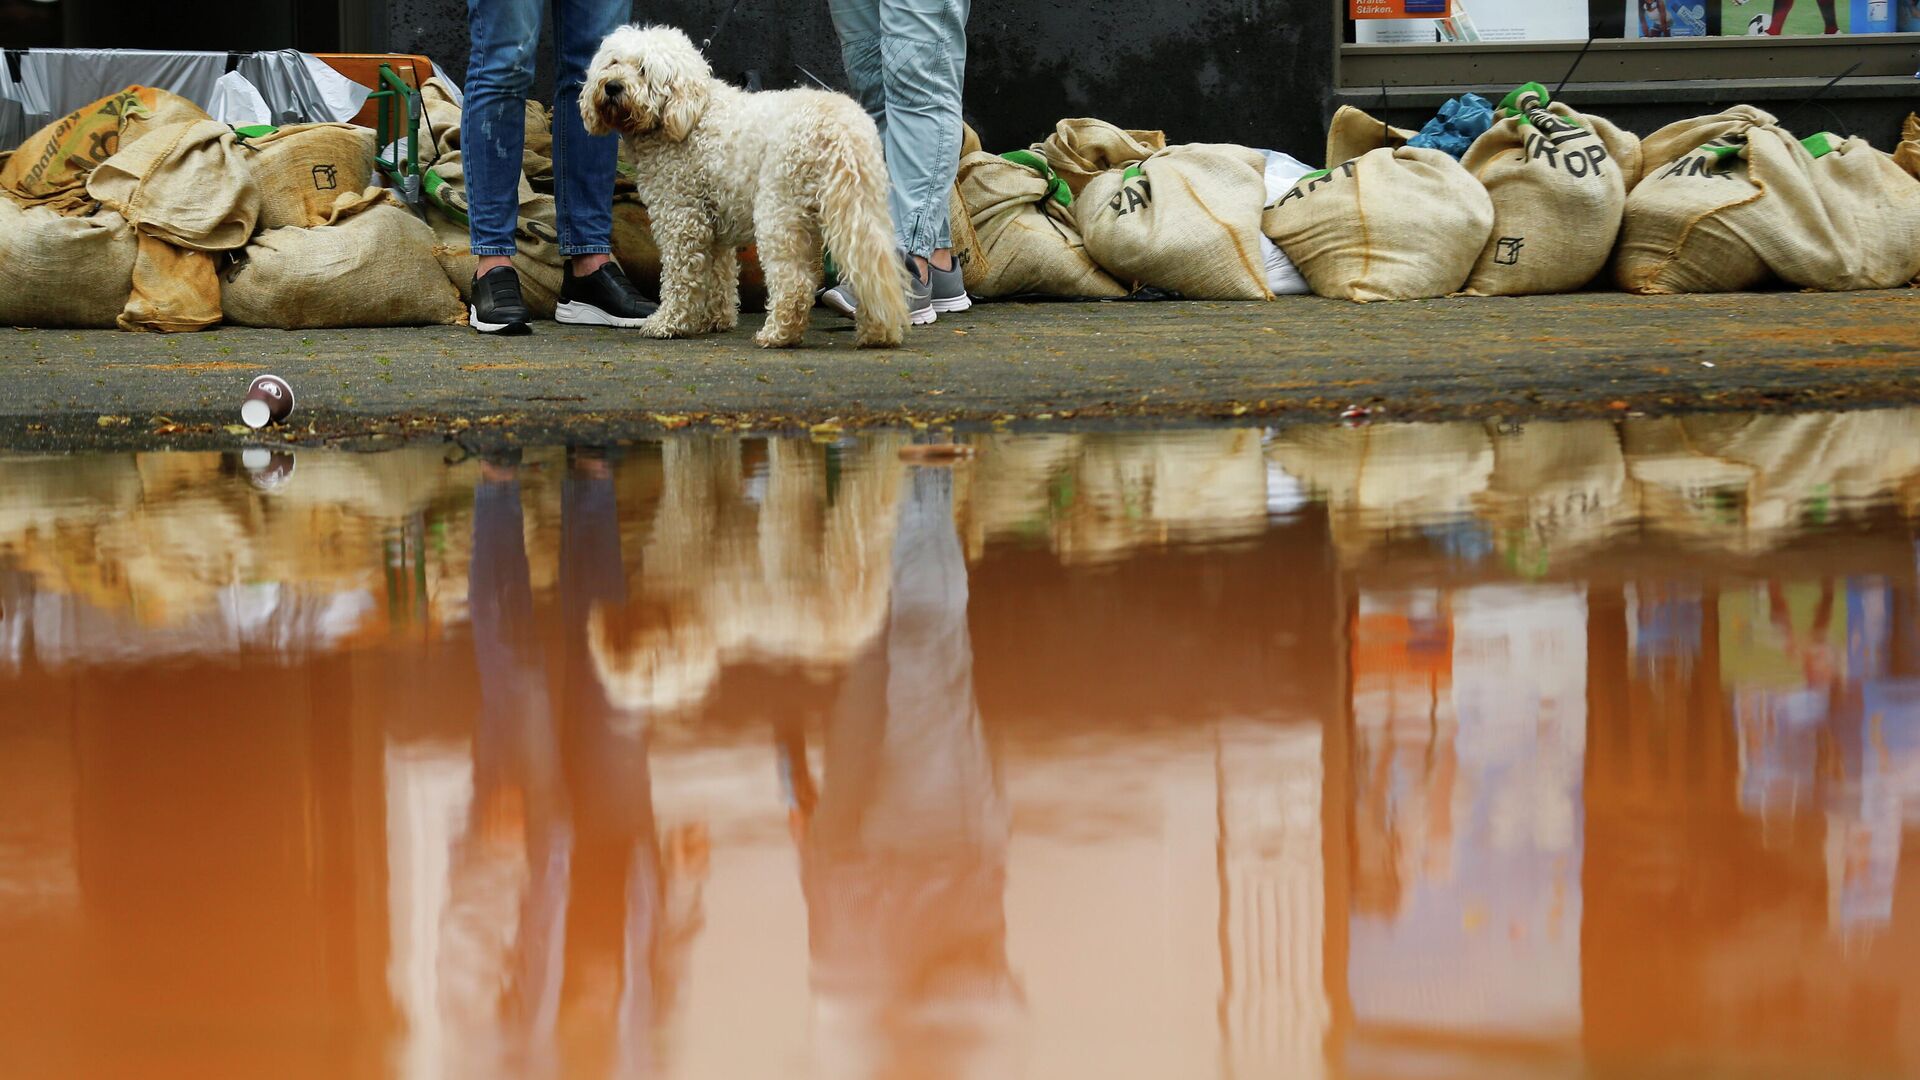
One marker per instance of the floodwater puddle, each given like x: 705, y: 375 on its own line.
x: 1467, y: 750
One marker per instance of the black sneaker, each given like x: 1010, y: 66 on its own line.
x: 498, y: 307
x: 602, y: 298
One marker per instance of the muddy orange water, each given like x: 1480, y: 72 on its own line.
x: 1560, y: 750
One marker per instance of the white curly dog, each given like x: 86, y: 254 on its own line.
x: 720, y: 168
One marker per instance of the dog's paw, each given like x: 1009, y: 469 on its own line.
x: 771, y: 337
x: 655, y: 327
x: 722, y: 321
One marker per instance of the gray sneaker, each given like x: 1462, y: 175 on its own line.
x: 922, y: 308
x: 949, y: 288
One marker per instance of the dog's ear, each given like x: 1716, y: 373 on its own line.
x: 684, y: 109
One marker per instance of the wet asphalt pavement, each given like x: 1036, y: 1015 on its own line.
x: 1050, y: 363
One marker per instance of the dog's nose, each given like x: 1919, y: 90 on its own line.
x: 614, y: 90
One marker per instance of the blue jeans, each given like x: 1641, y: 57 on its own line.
x: 492, y: 125
x: 906, y: 63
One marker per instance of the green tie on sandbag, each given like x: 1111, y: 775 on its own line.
x: 1392, y: 224
x: 1083, y: 148
x: 1820, y: 213
x: 1559, y: 183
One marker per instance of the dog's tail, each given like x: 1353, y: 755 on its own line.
x: 859, y: 232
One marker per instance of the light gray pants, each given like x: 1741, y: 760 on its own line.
x: 907, y: 61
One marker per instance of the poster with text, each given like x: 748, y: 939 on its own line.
x: 1399, y: 9
x: 1495, y: 20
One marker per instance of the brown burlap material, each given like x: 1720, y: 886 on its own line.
x: 301, y: 170
x: 1559, y: 183
x: 188, y: 184
x: 1083, y: 148
x: 175, y: 290
x: 1393, y: 224
x: 1186, y: 219
x: 371, y: 264
x: 1907, y: 156
x: 1682, y: 137
x: 61, y: 271
x: 1353, y: 133
x: 51, y: 167
x: 1822, y: 213
x: 1023, y: 231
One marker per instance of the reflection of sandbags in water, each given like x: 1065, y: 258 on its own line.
x: 1184, y: 487
x: 1385, y: 477
x: 800, y: 578
x: 1555, y: 485
x: 1683, y: 492
x: 1014, y: 489
x: 1812, y: 467
x: 60, y: 271
x: 371, y: 264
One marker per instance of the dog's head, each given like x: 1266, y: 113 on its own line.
x: 645, y: 80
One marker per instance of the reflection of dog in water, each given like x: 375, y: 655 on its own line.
x: 795, y: 573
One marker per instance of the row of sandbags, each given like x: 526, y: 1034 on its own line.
x: 1545, y: 201
x: 139, y: 211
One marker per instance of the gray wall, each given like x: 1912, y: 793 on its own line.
x: 1247, y: 71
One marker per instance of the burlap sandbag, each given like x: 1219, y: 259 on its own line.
x: 176, y: 290
x: 1670, y: 143
x: 1186, y: 219
x: 1675, y: 237
x: 301, y: 170
x: 1559, y: 183
x: 1822, y: 213
x: 440, y: 123
x: 60, y: 271
x: 1022, y: 219
x: 1908, y: 154
x: 1081, y: 149
x: 188, y: 184
x: 51, y: 167
x: 1353, y: 133
x: 371, y: 264
x: 1393, y: 224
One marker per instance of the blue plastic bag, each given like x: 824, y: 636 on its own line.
x: 1461, y: 121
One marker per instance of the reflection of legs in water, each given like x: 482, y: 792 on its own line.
x: 512, y: 864
x: 904, y: 862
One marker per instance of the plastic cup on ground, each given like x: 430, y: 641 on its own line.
x: 269, y: 401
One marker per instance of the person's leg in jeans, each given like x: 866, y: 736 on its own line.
x: 923, y: 60
x: 583, y: 164
x: 906, y: 62
x: 493, y: 121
